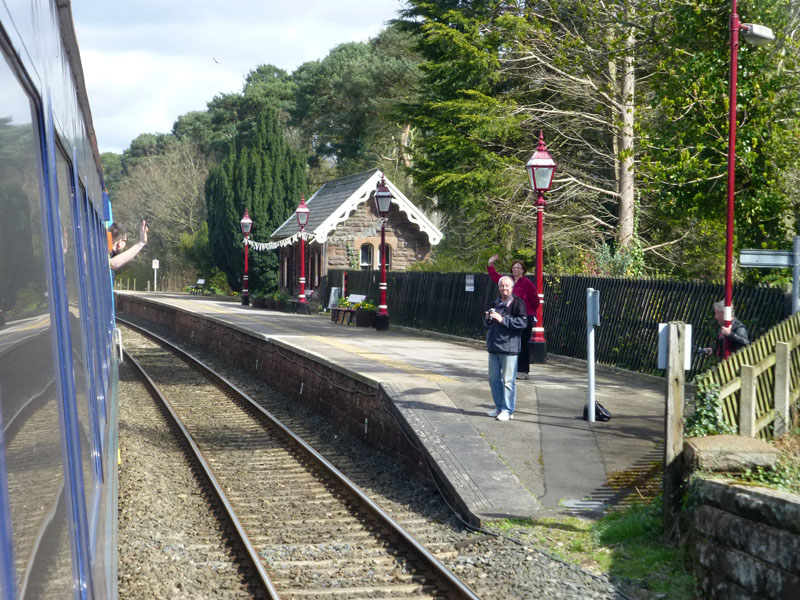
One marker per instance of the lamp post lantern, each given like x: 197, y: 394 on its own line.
x: 302, y: 213
x: 541, y: 168
x: 246, y: 224
x: 383, y: 201
x: 758, y: 35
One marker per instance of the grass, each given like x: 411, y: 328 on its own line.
x: 627, y: 546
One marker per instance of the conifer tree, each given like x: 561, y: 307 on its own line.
x: 266, y: 176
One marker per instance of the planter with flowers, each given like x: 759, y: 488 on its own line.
x: 365, y: 314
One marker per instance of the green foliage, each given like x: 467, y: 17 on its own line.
x: 627, y: 545
x: 707, y: 418
x: 366, y: 305
x: 785, y: 475
x: 218, y: 283
x: 352, y: 256
x: 627, y: 261
x: 266, y: 178
x: 688, y: 137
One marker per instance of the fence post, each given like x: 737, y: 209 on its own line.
x: 673, y: 420
x: 747, y: 402
x: 781, y: 393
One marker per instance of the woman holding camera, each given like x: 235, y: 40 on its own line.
x: 525, y: 289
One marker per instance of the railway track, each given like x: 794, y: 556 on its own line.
x: 309, y: 531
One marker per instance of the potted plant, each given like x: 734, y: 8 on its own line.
x: 281, y: 300
x: 258, y: 299
x: 365, y: 314
x: 341, y: 305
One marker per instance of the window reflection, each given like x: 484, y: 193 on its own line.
x: 29, y: 408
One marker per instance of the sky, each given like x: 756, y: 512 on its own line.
x: 150, y: 61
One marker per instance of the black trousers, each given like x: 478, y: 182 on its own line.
x: 524, y: 360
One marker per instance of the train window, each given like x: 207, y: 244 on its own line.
x: 70, y: 250
x: 29, y: 398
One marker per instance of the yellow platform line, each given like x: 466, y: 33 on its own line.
x: 389, y: 362
x: 366, y: 354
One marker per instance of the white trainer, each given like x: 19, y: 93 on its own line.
x: 505, y: 416
x: 522, y: 375
x: 493, y: 413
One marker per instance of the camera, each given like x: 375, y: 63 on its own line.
x: 491, y: 310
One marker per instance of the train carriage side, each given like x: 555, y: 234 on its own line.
x: 58, y: 372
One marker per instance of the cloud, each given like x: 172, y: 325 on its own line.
x: 148, y: 62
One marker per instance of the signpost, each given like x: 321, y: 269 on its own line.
x: 769, y: 259
x: 592, y: 321
x: 155, y: 275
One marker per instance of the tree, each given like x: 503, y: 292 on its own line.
x: 167, y: 190
x: 267, y: 177
x: 688, y: 145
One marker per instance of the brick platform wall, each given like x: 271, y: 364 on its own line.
x: 747, y: 540
x: 355, y: 405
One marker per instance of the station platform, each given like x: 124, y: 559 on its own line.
x: 545, y: 462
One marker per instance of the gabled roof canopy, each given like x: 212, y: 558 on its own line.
x: 333, y: 203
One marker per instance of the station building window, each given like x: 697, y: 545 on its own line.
x: 366, y: 257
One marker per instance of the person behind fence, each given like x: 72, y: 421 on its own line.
x: 506, y: 321
x: 736, y: 332
x: 117, y: 255
x: 524, y: 289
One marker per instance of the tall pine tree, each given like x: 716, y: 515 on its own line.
x: 267, y: 177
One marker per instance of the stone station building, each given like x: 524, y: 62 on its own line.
x: 344, y: 232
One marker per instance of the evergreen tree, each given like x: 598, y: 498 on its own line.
x: 267, y: 177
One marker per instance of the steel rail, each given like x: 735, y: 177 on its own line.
x: 251, y: 552
x: 447, y: 578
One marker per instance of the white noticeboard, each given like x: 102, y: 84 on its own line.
x: 155, y: 263
x: 335, y: 294
x: 469, y: 283
x: 663, y: 346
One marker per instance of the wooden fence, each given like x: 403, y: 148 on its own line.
x: 630, y: 311
x: 760, y: 384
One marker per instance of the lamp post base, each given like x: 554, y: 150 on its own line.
x: 382, y: 322
x: 245, y: 300
x: 538, y: 352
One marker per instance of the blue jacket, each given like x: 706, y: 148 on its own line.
x: 506, y: 337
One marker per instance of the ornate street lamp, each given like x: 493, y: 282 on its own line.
x: 246, y: 224
x: 383, y: 201
x: 302, y: 213
x: 757, y: 35
x: 540, y: 171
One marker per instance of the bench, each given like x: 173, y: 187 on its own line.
x: 198, y: 288
x: 346, y: 314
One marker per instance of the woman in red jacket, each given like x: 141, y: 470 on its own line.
x: 525, y: 289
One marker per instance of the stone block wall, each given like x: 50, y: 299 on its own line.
x: 747, y: 540
x: 408, y: 243
x: 356, y: 405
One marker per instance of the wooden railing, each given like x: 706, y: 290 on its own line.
x: 760, y: 384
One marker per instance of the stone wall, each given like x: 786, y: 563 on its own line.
x: 408, y: 244
x: 747, y: 540
x: 356, y: 404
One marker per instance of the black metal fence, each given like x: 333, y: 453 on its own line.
x: 630, y: 310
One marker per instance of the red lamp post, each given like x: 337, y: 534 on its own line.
x: 383, y: 201
x: 541, y: 168
x: 246, y: 224
x: 302, y: 213
x: 759, y: 36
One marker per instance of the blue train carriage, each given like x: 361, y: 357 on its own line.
x: 58, y: 371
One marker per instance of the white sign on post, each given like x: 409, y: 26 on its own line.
x: 155, y: 274
x: 469, y: 283
x: 663, y: 346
